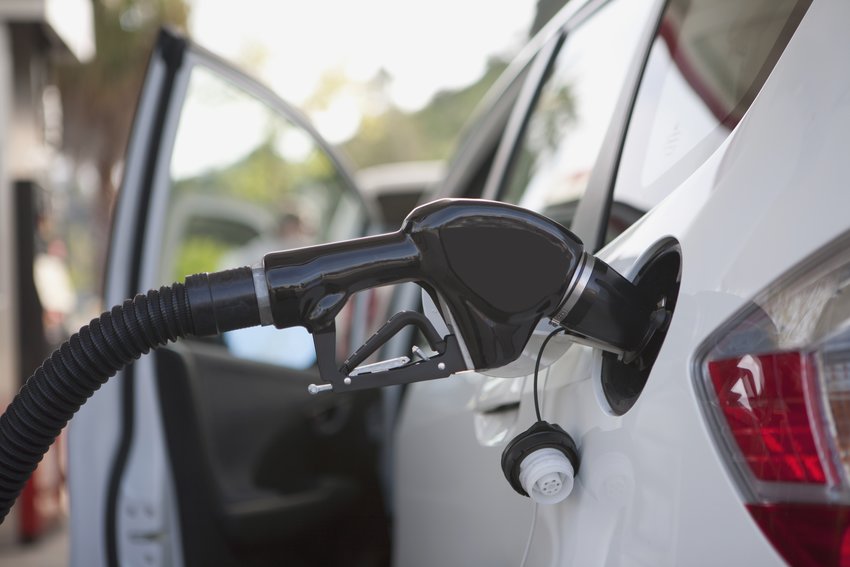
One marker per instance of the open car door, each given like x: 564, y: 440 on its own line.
x: 211, y: 452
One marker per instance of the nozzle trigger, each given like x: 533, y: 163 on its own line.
x: 395, y: 324
x: 353, y: 375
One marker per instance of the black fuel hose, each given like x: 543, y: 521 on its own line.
x: 207, y: 304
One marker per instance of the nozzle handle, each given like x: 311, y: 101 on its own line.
x: 309, y: 286
x: 498, y: 268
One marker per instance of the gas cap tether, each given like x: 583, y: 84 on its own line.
x: 542, y: 461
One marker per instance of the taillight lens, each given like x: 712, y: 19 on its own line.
x: 763, y: 398
x: 776, y: 386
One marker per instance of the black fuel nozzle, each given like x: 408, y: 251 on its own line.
x: 494, y: 271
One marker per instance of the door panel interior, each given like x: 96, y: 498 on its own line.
x: 264, y: 471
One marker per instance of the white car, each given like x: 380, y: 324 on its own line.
x: 701, y: 147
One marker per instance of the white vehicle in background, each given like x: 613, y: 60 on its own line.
x: 701, y: 147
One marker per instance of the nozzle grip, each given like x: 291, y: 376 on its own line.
x: 309, y: 286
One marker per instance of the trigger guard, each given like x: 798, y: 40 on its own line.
x: 390, y: 329
x: 439, y: 366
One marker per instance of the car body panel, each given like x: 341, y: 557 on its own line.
x: 653, y: 488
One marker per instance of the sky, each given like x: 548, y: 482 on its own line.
x: 424, y: 46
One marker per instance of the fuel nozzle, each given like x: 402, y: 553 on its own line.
x: 493, y: 270
x: 603, y: 309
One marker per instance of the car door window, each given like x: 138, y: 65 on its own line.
x: 246, y: 180
x: 706, y: 65
x: 567, y: 125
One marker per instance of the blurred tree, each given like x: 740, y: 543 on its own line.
x: 99, y: 97
x: 427, y: 134
x: 392, y: 135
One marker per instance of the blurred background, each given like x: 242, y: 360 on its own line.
x: 387, y: 82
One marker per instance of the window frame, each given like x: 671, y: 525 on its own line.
x: 647, y: 52
x: 593, y: 208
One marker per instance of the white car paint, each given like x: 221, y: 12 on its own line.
x: 652, y: 488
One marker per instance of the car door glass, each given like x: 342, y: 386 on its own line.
x: 246, y: 180
x: 706, y: 65
x: 568, y: 123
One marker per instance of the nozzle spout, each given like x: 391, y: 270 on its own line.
x: 604, y: 309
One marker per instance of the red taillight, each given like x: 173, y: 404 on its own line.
x: 763, y: 399
x: 770, y: 403
x: 813, y: 535
x: 775, y: 385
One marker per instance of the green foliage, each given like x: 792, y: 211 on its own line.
x: 427, y: 134
x: 98, y: 100
x: 198, y: 254
x: 81, y: 264
x: 262, y: 177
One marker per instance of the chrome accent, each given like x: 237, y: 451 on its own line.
x: 261, y: 289
x: 388, y: 364
x: 576, y: 287
x: 419, y: 352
